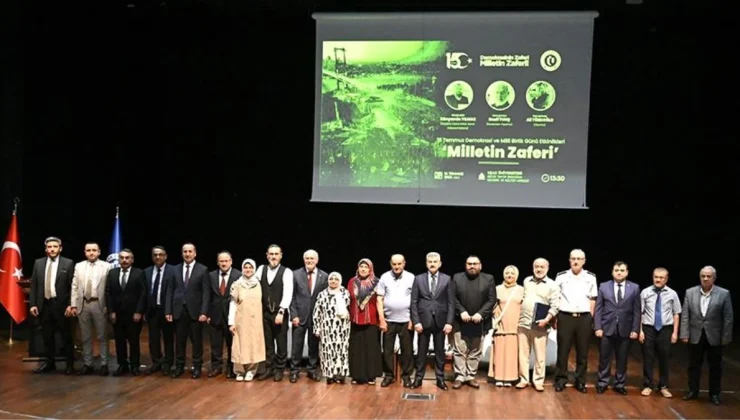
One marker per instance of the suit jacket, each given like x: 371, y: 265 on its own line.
x: 167, y: 280
x: 432, y: 309
x: 717, y: 323
x: 608, y: 310
x: 79, y: 283
x: 487, y: 289
x: 130, y: 299
x: 197, y: 296
x: 303, y: 301
x: 63, y: 284
x: 219, y: 306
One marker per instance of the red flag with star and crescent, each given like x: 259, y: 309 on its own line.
x: 11, y: 271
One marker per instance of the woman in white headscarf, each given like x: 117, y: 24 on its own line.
x: 331, y: 324
x: 503, y: 367
x: 245, y: 322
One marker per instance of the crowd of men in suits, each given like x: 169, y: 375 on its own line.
x: 177, y: 301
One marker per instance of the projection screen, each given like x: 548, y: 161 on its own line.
x: 462, y: 109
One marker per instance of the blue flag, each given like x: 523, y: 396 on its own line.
x: 115, y: 243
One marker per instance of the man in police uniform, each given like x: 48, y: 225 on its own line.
x: 578, y: 293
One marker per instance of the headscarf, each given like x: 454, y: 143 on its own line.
x: 516, y: 273
x: 364, y: 289
x: 340, y: 305
x: 243, y: 281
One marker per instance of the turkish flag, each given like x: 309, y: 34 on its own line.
x: 11, y: 271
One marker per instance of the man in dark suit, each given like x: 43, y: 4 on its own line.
x: 617, y: 323
x: 159, y: 277
x: 125, y: 295
x: 51, y: 300
x: 220, y: 281
x: 308, y: 282
x: 432, y: 313
x: 187, y: 305
x: 706, y: 324
x: 475, y: 293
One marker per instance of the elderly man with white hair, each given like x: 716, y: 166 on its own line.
x: 308, y: 282
x: 706, y: 324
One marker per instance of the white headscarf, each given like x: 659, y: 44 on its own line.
x: 251, y: 281
x: 340, y: 306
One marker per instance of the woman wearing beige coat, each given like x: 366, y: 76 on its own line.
x: 245, y: 322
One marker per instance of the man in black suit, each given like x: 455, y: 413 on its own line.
x: 308, y: 282
x: 159, y: 277
x: 617, y: 323
x: 475, y: 293
x: 432, y: 313
x: 187, y: 305
x: 220, y: 281
x: 51, y: 300
x: 125, y: 295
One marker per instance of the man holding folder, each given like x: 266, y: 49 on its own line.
x: 540, y: 306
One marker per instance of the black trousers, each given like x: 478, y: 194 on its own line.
x: 53, y: 320
x: 299, y: 340
x: 219, y: 334
x: 573, y: 330
x: 405, y: 336
x: 126, y: 333
x: 276, y: 341
x: 439, y: 352
x: 161, y: 330
x: 656, y: 343
x: 608, y: 347
x: 696, y: 359
x: 187, y: 327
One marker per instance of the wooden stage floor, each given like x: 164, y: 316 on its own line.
x: 27, y: 395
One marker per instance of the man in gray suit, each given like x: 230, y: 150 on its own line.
x: 706, y: 324
x: 432, y: 313
x: 308, y: 282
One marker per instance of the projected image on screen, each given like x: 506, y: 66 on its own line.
x: 409, y: 111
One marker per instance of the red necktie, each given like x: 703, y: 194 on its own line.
x: 222, y: 288
x: 310, y: 281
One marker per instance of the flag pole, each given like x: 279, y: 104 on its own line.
x: 16, y: 200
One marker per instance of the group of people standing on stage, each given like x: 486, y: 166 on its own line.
x: 352, y: 331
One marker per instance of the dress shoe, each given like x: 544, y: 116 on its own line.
x: 154, y: 369
x: 691, y: 395
x: 457, y: 384
x: 440, y: 384
x: 581, y: 388
x: 135, y: 371
x: 407, y: 382
x: 230, y: 374
x: 264, y: 375
x: 600, y: 389
x: 417, y: 383
x: 166, y: 370
x: 714, y: 399
x: 177, y: 372
x: 620, y: 390
x: 339, y: 379
x: 293, y: 377
x: 121, y: 370
x: 473, y: 383
x: 387, y: 381
x: 278, y: 376
x: 559, y: 387
x: 45, y: 367
x: 104, y: 370
x: 314, y: 376
x: 86, y: 370
x: 214, y: 372
x: 197, y: 371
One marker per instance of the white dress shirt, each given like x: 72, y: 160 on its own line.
x: 287, y: 282
x: 616, y: 290
x: 706, y: 297
x: 576, y: 290
x: 161, y: 280
x: 54, y: 267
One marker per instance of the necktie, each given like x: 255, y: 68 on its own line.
x: 620, y: 296
x: 310, y: 282
x: 222, y: 287
x: 88, y: 281
x: 434, y: 283
x: 48, y: 280
x: 124, y: 273
x: 658, y: 311
x: 155, y: 289
x: 187, y: 275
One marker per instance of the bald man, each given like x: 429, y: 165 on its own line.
x: 540, y: 295
x: 394, y: 300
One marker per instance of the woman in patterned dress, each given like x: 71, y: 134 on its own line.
x: 331, y: 326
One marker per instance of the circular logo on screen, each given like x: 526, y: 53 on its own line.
x: 500, y: 95
x: 458, y: 95
x: 540, y: 95
x: 550, y: 60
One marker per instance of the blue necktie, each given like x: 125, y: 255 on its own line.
x: 155, y: 288
x: 658, y: 311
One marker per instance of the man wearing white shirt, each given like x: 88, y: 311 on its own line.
x: 88, y: 303
x: 277, y: 291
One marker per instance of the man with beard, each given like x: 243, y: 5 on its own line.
x: 475, y: 295
x: 277, y: 291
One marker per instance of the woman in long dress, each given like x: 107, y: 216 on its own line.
x: 504, y: 362
x: 365, y: 363
x: 331, y: 326
x: 245, y: 322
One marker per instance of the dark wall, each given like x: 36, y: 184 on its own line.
x: 197, y: 120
